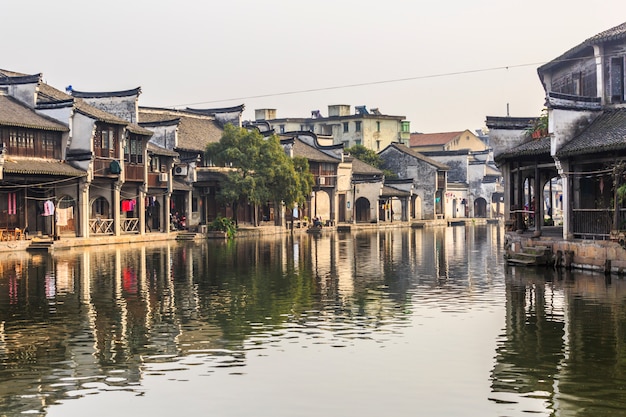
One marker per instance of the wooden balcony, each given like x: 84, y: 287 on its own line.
x: 325, y: 180
x: 134, y: 172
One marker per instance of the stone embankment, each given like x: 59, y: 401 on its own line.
x: 47, y: 244
x: 597, y: 255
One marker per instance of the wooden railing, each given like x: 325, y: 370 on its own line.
x: 101, y: 226
x: 130, y: 225
x: 592, y: 223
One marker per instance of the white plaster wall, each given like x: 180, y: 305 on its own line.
x: 371, y: 191
x: 563, y: 125
x: 452, y: 202
x: 164, y: 136
x: 62, y: 114
x: 24, y: 93
x: 320, y: 205
x: 83, y: 129
x: 344, y: 178
x: 502, y: 140
x: 122, y: 107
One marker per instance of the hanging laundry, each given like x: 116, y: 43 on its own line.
x: 48, y: 208
x: 61, y: 217
x: 12, y: 203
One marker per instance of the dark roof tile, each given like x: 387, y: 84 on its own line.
x: 533, y: 147
x: 14, y: 113
x: 606, y: 133
x: 195, y: 131
x: 415, y: 154
x: 36, y: 166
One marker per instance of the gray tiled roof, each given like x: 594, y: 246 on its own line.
x: 100, y: 94
x: 48, y: 94
x: 195, y: 131
x: 533, y: 147
x: 139, y: 130
x: 361, y: 168
x: 13, y: 113
x: 605, y: 134
x: 157, y: 150
x: 312, y: 154
x: 36, y: 166
x: 415, y: 154
x: 615, y: 33
x: 393, y: 192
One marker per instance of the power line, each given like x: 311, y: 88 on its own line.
x: 364, y: 84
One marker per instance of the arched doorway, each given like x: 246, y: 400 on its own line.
x: 153, y: 216
x: 362, y: 207
x: 553, y: 201
x: 321, y: 205
x: 100, y: 221
x: 480, y: 207
x: 417, y: 207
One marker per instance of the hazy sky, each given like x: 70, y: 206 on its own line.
x: 441, y: 64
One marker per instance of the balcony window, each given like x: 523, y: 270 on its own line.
x: 133, y: 151
x: 31, y: 142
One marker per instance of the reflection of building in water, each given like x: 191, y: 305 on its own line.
x: 564, y: 342
x: 531, y: 349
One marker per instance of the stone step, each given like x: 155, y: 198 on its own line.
x: 186, y: 236
x: 41, y: 245
x: 525, y: 262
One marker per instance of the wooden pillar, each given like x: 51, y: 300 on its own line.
x: 538, y: 195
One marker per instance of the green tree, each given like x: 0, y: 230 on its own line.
x: 259, y: 170
x: 366, y: 155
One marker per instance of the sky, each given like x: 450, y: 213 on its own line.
x: 444, y: 65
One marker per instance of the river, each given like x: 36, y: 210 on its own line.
x: 401, y: 322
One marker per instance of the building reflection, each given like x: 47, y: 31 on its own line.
x: 564, y: 343
x: 105, y: 317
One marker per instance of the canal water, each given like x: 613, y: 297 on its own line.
x: 404, y: 322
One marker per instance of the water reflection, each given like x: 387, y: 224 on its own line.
x: 564, y: 342
x: 105, y: 321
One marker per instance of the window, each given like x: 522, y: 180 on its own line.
x: 378, y: 126
x: 133, y: 151
x: 105, y: 141
x: 617, y: 80
x: 345, y: 127
x: 378, y: 145
x: 357, y: 126
x: 282, y: 128
x: 406, y: 127
x: 155, y: 164
x: 31, y: 143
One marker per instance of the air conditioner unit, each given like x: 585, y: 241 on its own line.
x: 322, y: 180
x: 180, y: 170
x: 163, y: 177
